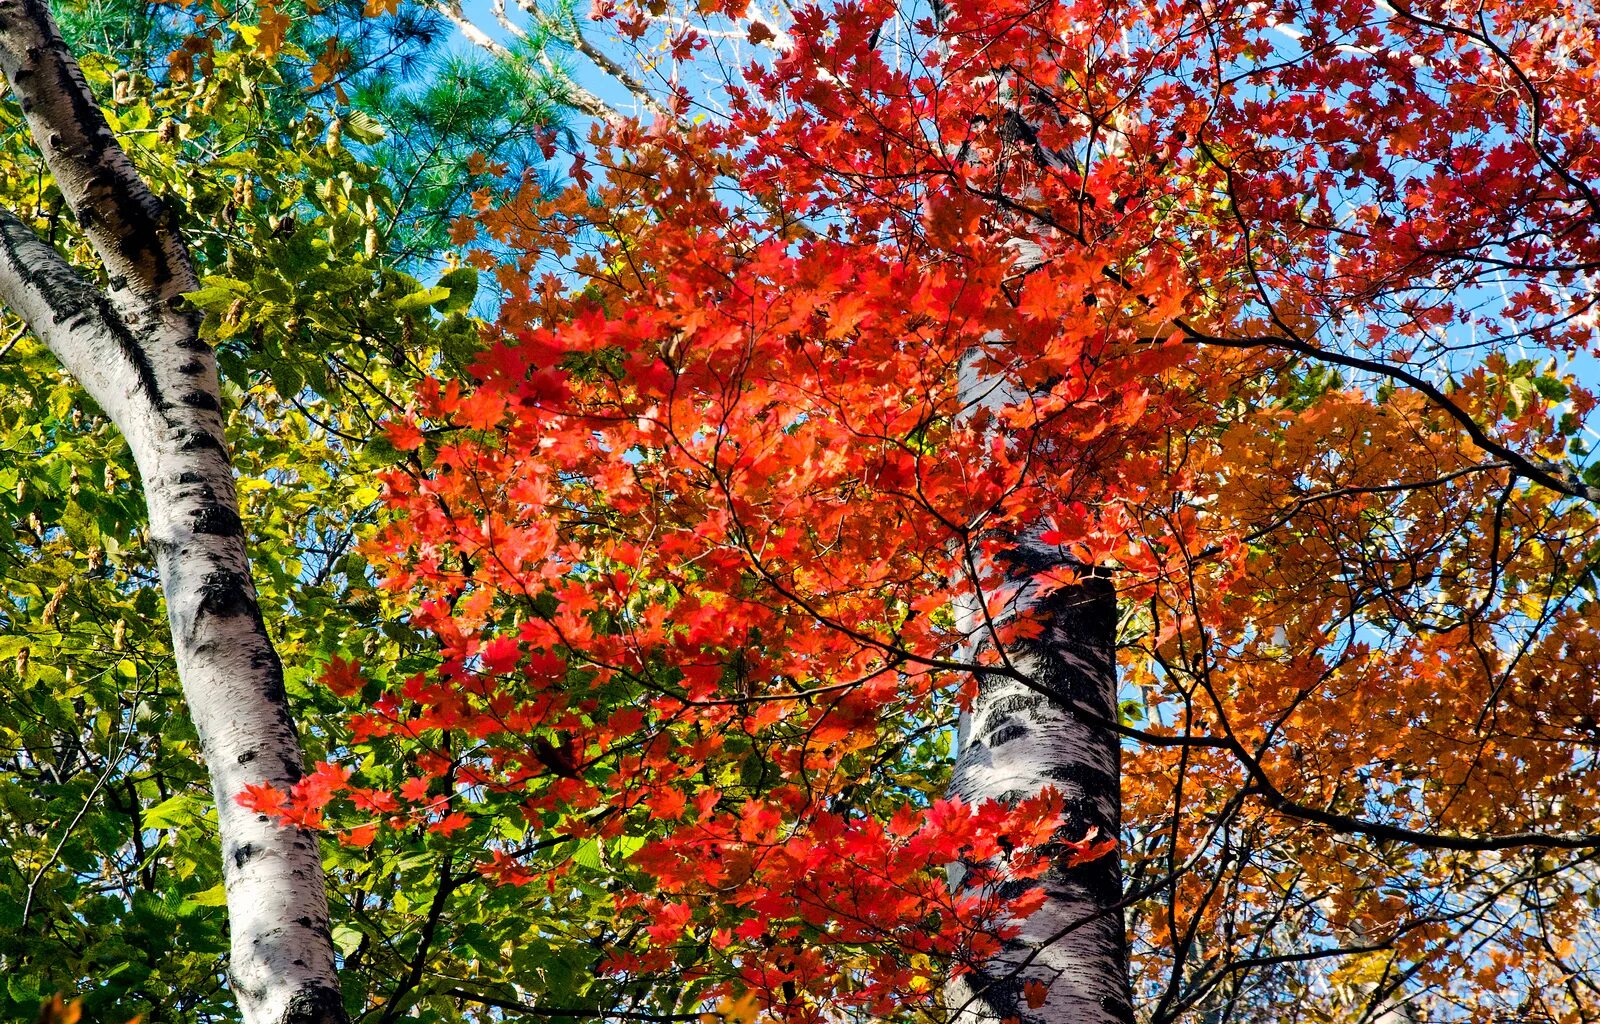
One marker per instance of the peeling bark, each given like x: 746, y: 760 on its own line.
x: 136, y: 349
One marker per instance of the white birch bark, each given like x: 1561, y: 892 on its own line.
x: 1020, y: 738
x: 137, y: 352
x: 1027, y: 734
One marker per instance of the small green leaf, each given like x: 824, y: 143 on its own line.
x: 363, y: 127
x: 420, y: 300
x: 170, y: 813
x: 587, y: 854
x: 348, y: 939
x: 462, y: 283
x: 1552, y: 388
x: 286, y: 378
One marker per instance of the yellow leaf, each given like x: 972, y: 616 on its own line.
x: 739, y: 1009
x: 212, y: 897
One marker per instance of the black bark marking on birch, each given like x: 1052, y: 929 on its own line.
x: 999, y: 996
x: 266, y: 661
x: 189, y: 476
x: 225, y: 593
x: 1006, y: 733
x: 1120, y: 1009
x: 1082, y: 777
x: 192, y: 368
x: 241, y: 854
x: 1100, y: 878
x: 203, y: 492
x: 202, y: 400
x: 247, y: 757
x: 133, y: 349
x: 1011, y: 703
x: 218, y: 521
x: 315, y: 1006
x: 202, y: 440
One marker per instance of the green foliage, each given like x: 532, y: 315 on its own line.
x: 317, y: 225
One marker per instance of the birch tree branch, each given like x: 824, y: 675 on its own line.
x: 135, y: 234
x: 67, y: 312
x: 136, y: 349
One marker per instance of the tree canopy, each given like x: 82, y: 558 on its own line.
x: 724, y: 623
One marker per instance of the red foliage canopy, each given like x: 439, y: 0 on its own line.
x: 691, y: 537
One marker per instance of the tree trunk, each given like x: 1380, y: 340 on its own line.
x: 1016, y: 742
x: 137, y: 352
x: 1023, y: 736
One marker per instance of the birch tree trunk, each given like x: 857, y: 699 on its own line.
x: 1033, y: 729
x: 136, y: 350
x: 1022, y: 737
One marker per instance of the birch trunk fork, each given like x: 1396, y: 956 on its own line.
x: 136, y: 350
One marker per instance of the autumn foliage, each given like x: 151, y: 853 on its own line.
x: 1276, y: 305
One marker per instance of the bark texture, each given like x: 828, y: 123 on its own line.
x: 1033, y: 728
x: 1022, y: 736
x: 137, y: 351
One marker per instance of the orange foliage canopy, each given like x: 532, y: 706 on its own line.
x: 1278, y: 302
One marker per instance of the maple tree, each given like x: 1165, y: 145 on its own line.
x: 1268, y: 315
